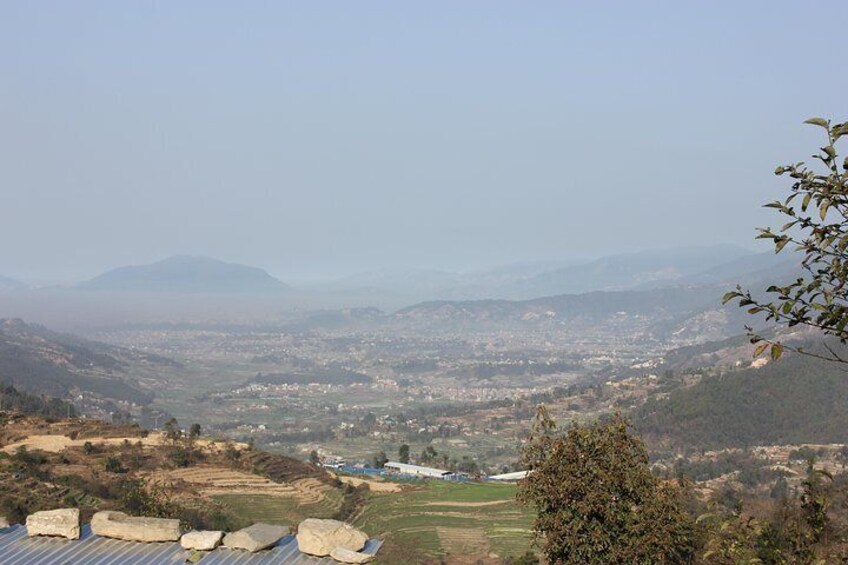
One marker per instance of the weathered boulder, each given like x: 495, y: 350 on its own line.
x: 320, y: 537
x: 256, y: 537
x: 64, y: 522
x: 201, y: 540
x: 347, y: 556
x: 4, y: 523
x: 118, y: 525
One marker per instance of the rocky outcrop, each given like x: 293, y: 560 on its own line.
x: 321, y: 537
x: 64, y: 522
x: 201, y: 540
x: 256, y: 537
x: 120, y: 526
x: 347, y: 556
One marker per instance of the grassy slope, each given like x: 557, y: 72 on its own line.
x: 279, y: 510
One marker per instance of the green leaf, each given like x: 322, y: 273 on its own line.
x: 825, y: 205
x: 831, y: 152
x: 817, y: 122
x: 728, y: 296
x: 760, y: 348
x: 776, y: 351
x: 806, y: 201
x: 780, y: 245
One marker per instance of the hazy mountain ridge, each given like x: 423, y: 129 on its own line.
x: 671, y: 301
x: 647, y: 269
x: 202, y: 290
x: 40, y: 361
x: 522, y: 281
x: 186, y: 274
x: 8, y: 284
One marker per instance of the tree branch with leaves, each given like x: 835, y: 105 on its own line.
x: 816, y: 215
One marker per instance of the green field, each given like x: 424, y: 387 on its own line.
x: 279, y: 510
x: 440, y: 518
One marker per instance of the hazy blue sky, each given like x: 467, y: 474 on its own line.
x: 318, y: 137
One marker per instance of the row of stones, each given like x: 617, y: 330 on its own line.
x: 321, y: 538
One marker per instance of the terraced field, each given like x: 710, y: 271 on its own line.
x: 440, y: 519
x: 213, y: 481
x: 286, y: 511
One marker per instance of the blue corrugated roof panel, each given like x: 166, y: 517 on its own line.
x: 16, y: 548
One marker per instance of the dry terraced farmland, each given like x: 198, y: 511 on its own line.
x: 255, y: 498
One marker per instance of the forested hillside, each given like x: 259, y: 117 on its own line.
x: 794, y: 400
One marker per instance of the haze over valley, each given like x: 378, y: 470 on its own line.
x: 423, y: 283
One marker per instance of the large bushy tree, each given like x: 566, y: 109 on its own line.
x: 816, y: 225
x: 596, y: 499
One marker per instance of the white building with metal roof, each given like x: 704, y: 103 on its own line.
x: 417, y: 470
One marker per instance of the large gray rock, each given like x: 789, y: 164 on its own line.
x: 256, y: 537
x: 320, y: 537
x: 4, y: 523
x: 118, y: 525
x: 201, y: 540
x: 63, y: 522
x: 347, y: 556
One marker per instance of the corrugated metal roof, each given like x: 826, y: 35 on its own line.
x: 16, y: 548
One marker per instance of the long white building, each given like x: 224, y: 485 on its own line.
x: 416, y: 470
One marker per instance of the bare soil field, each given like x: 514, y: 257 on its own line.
x: 57, y: 443
x: 375, y: 486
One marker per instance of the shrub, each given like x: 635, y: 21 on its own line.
x: 596, y: 499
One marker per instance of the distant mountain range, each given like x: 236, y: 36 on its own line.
x: 719, y: 264
x: 185, y: 288
x: 647, y: 269
x: 669, y: 302
x: 186, y: 274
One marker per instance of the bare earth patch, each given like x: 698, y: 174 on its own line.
x: 375, y: 486
x: 58, y: 443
